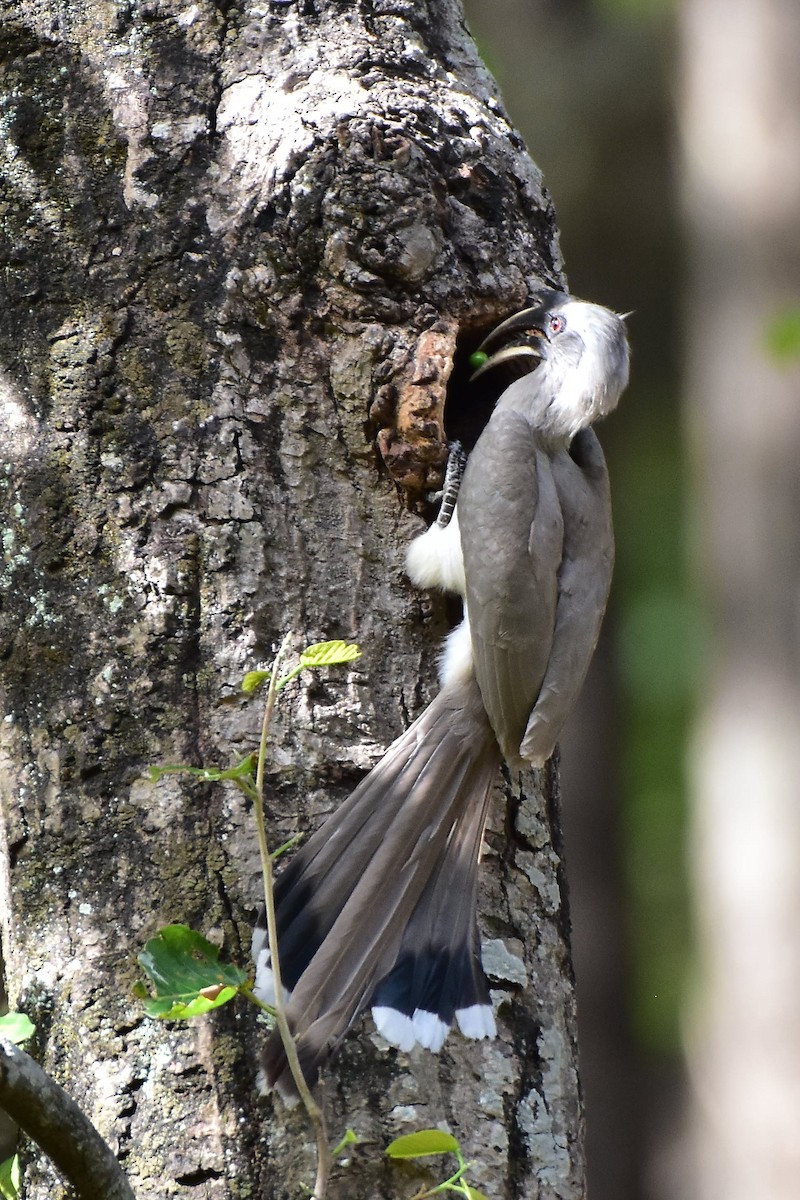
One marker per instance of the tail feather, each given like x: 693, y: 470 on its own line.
x: 328, y: 872
x: 350, y: 900
x: 312, y: 889
x: 438, y: 974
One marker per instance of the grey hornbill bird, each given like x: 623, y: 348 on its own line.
x: 378, y: 906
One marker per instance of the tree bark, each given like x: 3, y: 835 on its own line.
x: 244, y: 244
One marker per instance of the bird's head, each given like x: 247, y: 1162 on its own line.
x: 578, y: 351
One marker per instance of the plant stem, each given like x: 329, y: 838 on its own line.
x: 315, y: 1113
x: 454, y: 1183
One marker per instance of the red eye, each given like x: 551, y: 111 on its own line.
x: 557, y: 324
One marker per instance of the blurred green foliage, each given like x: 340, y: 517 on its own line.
x: 633, y: 10
x: 782, y: 336
x: 660, y: 656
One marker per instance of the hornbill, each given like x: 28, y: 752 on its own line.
x: 378, y: 907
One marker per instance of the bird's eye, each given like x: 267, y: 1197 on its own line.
x: 557, y: 324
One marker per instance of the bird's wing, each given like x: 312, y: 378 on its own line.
x: 511, y: 536
x: 584, y: 579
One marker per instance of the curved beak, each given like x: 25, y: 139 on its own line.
x: 524, y: 333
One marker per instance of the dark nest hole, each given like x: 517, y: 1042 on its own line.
x: 470, y: 402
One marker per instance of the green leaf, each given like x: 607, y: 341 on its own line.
x: 418, y: 1145
x: 253, y: 680
x: 155, y: 773
x: 16, y: 1027
x: 244, y: 769
x: 241, y: 770
x: 10, y: 1178
x: 350, y: 1139
x: 327, y: 654
x: 187, y: 975
x: 474, y: 1194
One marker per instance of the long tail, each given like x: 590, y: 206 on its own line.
x: 379, y: 905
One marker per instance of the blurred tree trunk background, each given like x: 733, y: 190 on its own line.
x: 740, y: 124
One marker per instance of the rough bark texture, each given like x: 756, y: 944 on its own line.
x: 242, y: 241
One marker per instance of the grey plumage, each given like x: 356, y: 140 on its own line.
x: 360, y: 877
x: 584, y: 579
x: 379, y: 906
x: 510, y: 516
x: 536, y: 530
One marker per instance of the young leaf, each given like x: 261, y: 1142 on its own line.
x: 187, y: 975
x: 10, y: 1178
x: 155, y: 773
x: 474, y: 1194
x: 418, y: 1145
x: 327, y: 654
x: 16, y: 1027
x: 241, y: 770
x: 253, y: 680
x: 350, y: 1139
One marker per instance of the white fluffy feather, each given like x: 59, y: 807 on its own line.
x: 264, y: 984
x: 455, y: 661
x: 434, y: 559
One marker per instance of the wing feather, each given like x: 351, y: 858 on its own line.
x: 511, y: 537
x: 584, y: 580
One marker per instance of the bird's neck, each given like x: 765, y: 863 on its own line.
x: 552, y: 402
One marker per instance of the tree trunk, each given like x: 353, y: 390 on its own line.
x: 741, y: 125
x: 244, y: 244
